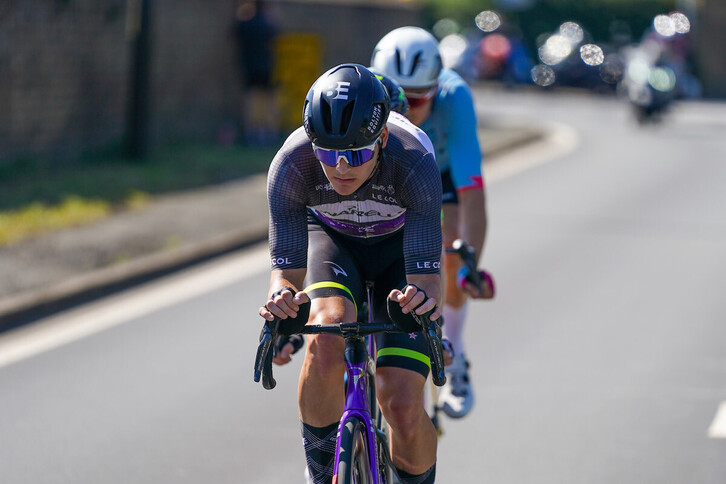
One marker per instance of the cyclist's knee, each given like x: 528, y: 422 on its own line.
x: 400, y: 395
x: 324, y: 352
x: 402, y: 413
x: 455, y: 297
x: 331, y: 310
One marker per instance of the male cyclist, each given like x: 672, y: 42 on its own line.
x: 440, y: 103
x: 355, y: 196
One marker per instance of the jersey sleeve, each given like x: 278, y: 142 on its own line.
x: 287, y: 200
x: 465, y: 155
x: 422, y: 230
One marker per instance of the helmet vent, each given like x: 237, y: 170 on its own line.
x: 325, y: 112
x: 416, y: 62
x: 399, y: 69
x: 347, y: 115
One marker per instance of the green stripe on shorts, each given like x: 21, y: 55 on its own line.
x: 405, y: 353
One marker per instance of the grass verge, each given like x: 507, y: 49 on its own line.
x: 38, y: 195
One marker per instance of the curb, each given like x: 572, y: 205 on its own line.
x: 19, y: 309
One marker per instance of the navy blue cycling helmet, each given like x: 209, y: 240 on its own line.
x: 346, y: 108
x: 399, y: 103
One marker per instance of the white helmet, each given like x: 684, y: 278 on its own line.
x: 410, y: 55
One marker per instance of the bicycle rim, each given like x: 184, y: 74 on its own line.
x: 354, y: 459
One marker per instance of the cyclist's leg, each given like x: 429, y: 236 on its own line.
x: 333, y: 284
x: 457, y: 396
x: 402, y: 368
x: 454, y: 299
x: 413, y: 437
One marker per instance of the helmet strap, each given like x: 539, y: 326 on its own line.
x: 378, y: 161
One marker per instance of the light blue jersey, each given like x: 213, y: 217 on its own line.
x: 452, y: 128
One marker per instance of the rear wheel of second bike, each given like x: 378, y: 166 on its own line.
x: 354, y: 464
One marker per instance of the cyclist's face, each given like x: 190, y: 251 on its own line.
x: 346, y: 179
x: 420, y: 102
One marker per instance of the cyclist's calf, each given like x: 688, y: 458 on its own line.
x: 413, y: 437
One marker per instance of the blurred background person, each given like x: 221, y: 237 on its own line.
x: 441, y: 104
x: 255, y: 35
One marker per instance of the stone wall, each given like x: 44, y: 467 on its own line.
x: 63, y: 75
x: 65, y: 66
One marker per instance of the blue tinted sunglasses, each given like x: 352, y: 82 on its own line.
x: 354, y: 157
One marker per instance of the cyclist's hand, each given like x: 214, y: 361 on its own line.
x: 282, y: 304
x: 284, y: 356
x: 285, y: 347
x: 465, y: 281
x: 412, y: 298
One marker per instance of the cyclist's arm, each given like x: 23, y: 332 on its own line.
x: 422, y: 238
x: 473, y: 219
x: 287, y: 198
x: 283, y: 304
x: 431, y: 285
x: 465, y: 160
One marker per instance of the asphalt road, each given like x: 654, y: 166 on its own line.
x: 602, y: 360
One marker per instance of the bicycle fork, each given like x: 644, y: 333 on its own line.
x: 359, y: 397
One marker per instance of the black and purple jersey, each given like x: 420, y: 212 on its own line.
x: 404, y: 194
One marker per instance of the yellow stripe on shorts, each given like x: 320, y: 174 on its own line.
x: 319, y: 285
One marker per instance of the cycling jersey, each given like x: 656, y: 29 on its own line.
x: 452, y: 128
x: 403, y: 194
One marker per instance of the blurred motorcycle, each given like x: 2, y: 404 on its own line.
x: 648, y: 82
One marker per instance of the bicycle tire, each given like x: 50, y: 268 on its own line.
x: 354, y: 458
x: 386, y: 470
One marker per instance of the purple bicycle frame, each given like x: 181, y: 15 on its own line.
x: 356, y: 401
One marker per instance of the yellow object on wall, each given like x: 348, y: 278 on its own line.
x: 297, y: 65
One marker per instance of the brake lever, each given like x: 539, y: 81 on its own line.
x: 432, y: 334
x: 468, y: 256
x: 263, y: 359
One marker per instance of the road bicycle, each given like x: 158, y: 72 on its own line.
x: 362, y: 453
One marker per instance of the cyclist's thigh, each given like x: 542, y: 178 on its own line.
x: 397, y: 350
x: 332, y: 271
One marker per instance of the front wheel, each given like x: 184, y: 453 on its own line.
x: 354, y: 459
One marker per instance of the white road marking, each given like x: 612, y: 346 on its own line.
x: 75, y: 324
x: 717, y: 430
x: 558, y: 141
x: 92, y: 318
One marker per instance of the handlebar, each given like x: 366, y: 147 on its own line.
x: 468, y: 256
x: 432, y: 334
x: 431, y: 331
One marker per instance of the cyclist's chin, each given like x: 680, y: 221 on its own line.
x: 345, y: 186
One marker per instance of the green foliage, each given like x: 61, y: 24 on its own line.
x: 38, y: 195
x: 112, y: 178
x: 596, y: 16
x: 38, y: 218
